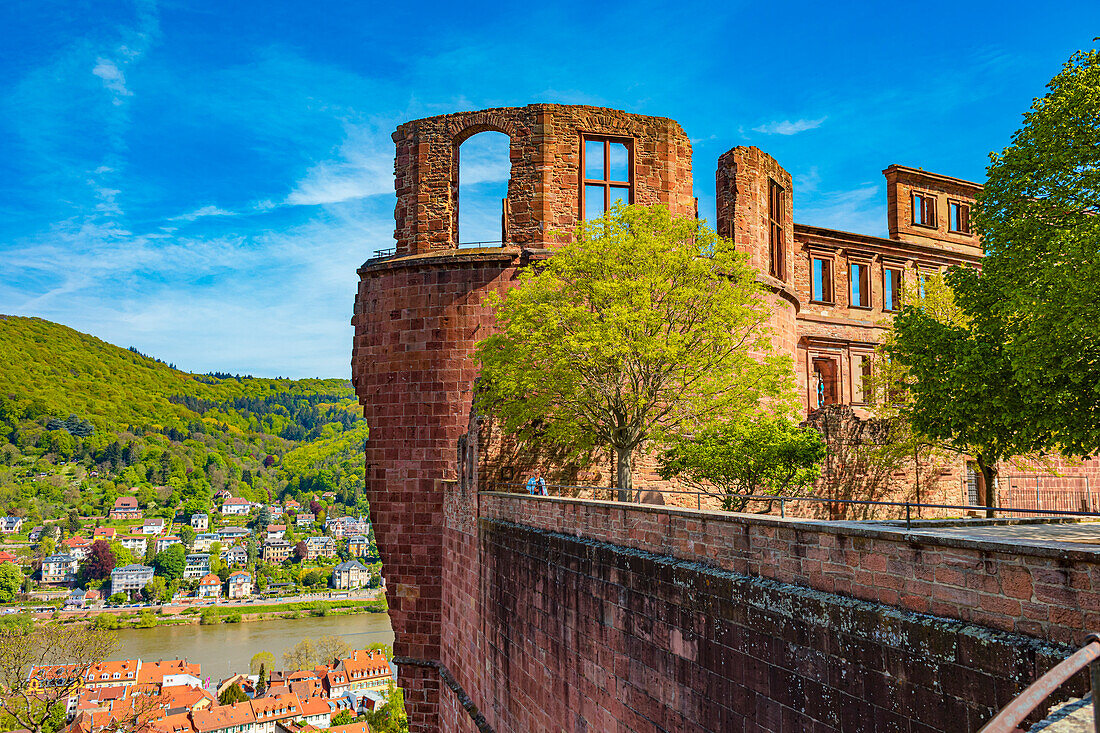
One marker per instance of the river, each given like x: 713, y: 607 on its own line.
x: 225, y: 648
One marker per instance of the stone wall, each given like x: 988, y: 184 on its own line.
x: 593, y: 616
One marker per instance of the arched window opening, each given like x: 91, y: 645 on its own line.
x: 484, y: 167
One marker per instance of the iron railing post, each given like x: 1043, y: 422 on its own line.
x: 908, y: 518
x: 782, y: 507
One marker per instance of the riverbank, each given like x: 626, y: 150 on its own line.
x: 225, y: 648
x: 212, y: 614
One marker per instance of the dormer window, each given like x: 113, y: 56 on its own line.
x: 958, y: 218
x: 606, y: 174
x: 924, y: 210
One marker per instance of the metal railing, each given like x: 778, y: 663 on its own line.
x: 783, y: 500
x: 385, y: 252
x: 1010, y: 717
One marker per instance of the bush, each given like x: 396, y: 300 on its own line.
x: 117, y: 598
x: 233, y: 618
x: 209, y: 616
x: 146, y: 620
x: 106, y: 621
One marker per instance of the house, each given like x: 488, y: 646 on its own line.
x: 236, y: 718
x: 203, y: 541
x: 304, y: 519
x: 77, y: 546
x: 291, y: 504
x: 36, y: 534
x: 59, y: 569
x: 112, y: 674
x: 315, y: 711
x: 200, y: 522
x: 81, y: 598
x: 365, y: 670
x: 196, y: 565
x: 275, y: 532
x: 236, y: 506
x: 179, y: 699
x: 358, y: 545
x: 10, y: 524
x: 125, y: 507
x: 6, y: 556
x: 135, y: 543
x: 232, y: 534
x: 163, y: 543
x: 130, y: 578
x: 276, y: 551
x: 349, y: 575
x: 268, y: 710
x: 319, y: 547
x: 275, y: 509
x: 223, y: 494
x: 169, y: 672
x: 235, y: 556
x: 210, y: 586
x: 153, y: 526
x: 240, y: 584
x: 104, y: 533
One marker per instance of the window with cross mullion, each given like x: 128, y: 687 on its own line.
x: 606, y: 175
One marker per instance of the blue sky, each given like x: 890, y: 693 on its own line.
x: 201, y: 179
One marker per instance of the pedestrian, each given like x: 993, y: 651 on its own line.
x: 536, y: 486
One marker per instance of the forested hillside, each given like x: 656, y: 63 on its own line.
x: 83, y: 422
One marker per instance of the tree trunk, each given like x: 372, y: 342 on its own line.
x: 988, y: 475
x: 624, y: 476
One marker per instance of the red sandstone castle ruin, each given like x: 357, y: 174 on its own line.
x: 419, y: 313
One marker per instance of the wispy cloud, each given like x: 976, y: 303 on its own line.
x: 788, y: 127
x: 860, y: 210
x: 364, y: 167
x: 203, y: 212
x: 113, y: 79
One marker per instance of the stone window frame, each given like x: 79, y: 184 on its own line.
x: 777, y: 249
x: 919, y: 221
x: 856, y: 354
x: 830, y: 258
x: 866, y: 261
x: 607, y: 183
x: 964, y: 208
x: 898, y: 267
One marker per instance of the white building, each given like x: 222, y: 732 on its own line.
x: 203, y: 541
x: 236, y: 506
x: 240, y: 584
x: 59, y: 569
x: 196, y: 566
x: 200, y: 522
x: 152, y: 526
x: 210, y: 586
x: 130, y: 579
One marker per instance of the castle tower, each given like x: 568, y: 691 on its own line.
x: 419, y: 313
x: 754, y: 197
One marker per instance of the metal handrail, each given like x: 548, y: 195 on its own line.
x: 1013, y: 714
x: 783, y: 499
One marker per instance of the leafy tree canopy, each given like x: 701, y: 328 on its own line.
x: 645, y: 327
x: 768, y: 456
x: 1038, y: 219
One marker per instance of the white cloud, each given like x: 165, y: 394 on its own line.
x: 202, y: 212
x: 787, y: 127
x: 113, y: 78
x: 363, y: 168
x: 861, y: 210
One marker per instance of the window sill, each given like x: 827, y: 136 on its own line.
x: 862, y: 307
x: 960, y: 234
x: 933, y: 227
x: 829, y: 303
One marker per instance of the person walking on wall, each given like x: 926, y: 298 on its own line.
x: 536, y: 486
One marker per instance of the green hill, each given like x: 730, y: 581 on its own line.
x: 83, y: 421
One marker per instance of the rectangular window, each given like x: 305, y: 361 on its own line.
x: 860, y: 276
x: 924, y: 210
x: 891, y: 289
x: 824, y: 383
x: 822, y: 280
x: 973, y: 497
x: 861, y: 378
x: 777, y: 256
x: 606, y: 167
x: 958, y: 217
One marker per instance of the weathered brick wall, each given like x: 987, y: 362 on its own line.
x: 544, y: 188
x: 585, y: 635
x: 416, y: 324
x: 1039, y: 591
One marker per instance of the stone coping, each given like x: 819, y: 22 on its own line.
x: 449, y: 256
x: 846, y: 528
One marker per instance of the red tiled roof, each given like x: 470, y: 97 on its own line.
x: 222, y: 716
x: 210, y: 579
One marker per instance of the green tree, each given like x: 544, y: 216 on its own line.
x: 157, y: 590
x: 11, y: 580
x: 390, y: 717
x: 952, y: 382
x: 300, y: 656
x: 1040, y: 278
x: 261, y: 679
x: 342, y: 718
x: 644, y: 328
x: 187, y: 536
x: 232, y: 694
x: 261, y: 660
x: 170, y: 562
x: 769, y: 456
